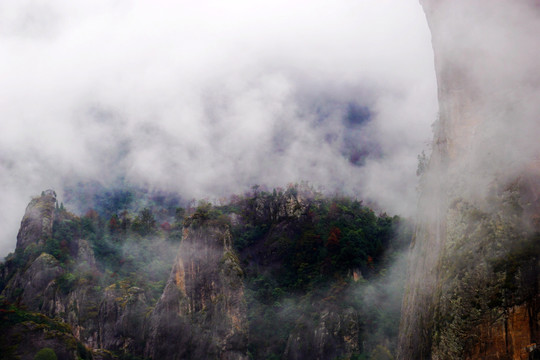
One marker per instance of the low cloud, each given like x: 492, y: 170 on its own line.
x: 208, y: 99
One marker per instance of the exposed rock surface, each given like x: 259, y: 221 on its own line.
x: 201, y: 314
x: 37, y: 223
x: 508, y: 337
x: 121, y: 319
x: 474, y: 263
x: 30, y: 286
x: 42, y: 287
x: 57, y: 293
x: 332, y: 335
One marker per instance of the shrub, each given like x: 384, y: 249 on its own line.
x: 66, y: 282
x: 46, y: 354
x: 381, y: 353
x: 145, y: 223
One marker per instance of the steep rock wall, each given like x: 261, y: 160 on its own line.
x: 474, y: 261
x: 334, y: 335
x: 202, y: 312
x: 37, y: 223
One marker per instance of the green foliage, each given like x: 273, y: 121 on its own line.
x: 145, y: 223
x: 175, y: 232
x: 11, y: 314
x: 327, y: 238
x: 423, y: 163
x: 58, y: 249
x: 121, y: 247
x: 206, y: 214
x: 380, y: 353
x: 300, y: 253
x: 128, y: 356
x: 66, y: 282
x: 46, y: 354
x: 83, y: 352
x: 247, y: 234
x: 489, y: 264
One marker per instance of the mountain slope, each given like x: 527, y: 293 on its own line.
x: 283, y: 274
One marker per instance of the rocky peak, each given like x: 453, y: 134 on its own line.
x: 37, y: 223
x: 202, y: 312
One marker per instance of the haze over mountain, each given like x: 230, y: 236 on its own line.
x: 209, y: 98
x: 474, y: 270
x: 154, y: 123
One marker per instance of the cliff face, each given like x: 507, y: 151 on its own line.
x: 472, y: 290
x: 334, y: 334
x: 57, y: 301
x: 90, y: 288
x: 37, y: 223
x: 202, y: 312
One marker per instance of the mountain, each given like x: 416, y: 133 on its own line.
x: 473, y: 282
x: 286, y: 274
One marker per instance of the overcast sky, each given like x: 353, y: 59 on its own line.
x: 208, y: 98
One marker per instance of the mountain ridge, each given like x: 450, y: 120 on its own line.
x: 210, y: 282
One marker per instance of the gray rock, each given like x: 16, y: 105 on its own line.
x: 202, y: 312
x: 36, y: 225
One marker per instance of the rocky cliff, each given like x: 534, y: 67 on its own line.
x: 472, y: 288
x: 37, y: 223
x: 48, y: 314
x: 333, y: 334
x: 202, y: 312
x: 284, y: 274
x: 55, y: 295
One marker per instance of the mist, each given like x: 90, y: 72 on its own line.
x: 483, y: 170
x: 209, y: 99
x: 486, y: 133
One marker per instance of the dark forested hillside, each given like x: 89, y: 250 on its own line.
x: 310, y: 262
x: 137, y: 275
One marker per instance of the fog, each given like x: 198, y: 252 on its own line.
x: 485, y: 157
x: 208, y: 99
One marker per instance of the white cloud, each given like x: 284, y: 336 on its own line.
x: 208, y: 98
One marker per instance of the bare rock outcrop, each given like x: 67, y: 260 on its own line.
x: 474, y: 262
x: 37, y: 223
x: 202, y: 312
x: 121, y: 319
x: 30, y: 287
x: 333, y: 334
